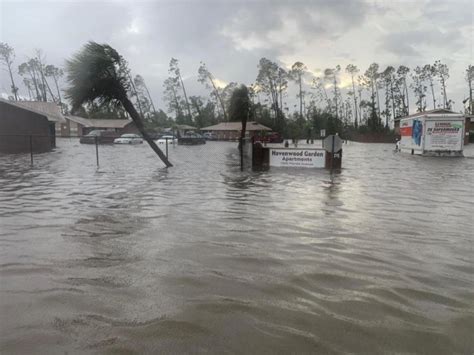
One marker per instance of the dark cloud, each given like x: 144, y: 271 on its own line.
x: 411, y: 43
x: 231, y: 36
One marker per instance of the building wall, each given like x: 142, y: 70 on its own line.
x: 130, y: 128
x: 71, y: 129
x: 19, y: 128
x: 231, y: 135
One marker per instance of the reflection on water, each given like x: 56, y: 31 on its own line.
x: 135, y: 258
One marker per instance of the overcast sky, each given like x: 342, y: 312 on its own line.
x: 231, y: 36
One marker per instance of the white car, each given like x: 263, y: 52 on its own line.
x: 170, y: 139
x: 129, y: 138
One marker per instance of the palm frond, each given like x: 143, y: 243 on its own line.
x: 96, y: 73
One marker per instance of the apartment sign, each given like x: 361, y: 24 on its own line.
x: 297, y: 158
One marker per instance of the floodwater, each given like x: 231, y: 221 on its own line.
x: 132, y: 258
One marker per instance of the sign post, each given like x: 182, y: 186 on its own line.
x: 333, y: 145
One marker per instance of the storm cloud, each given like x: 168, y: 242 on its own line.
x: 231, y: 36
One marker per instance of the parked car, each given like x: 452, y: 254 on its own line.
x: 103, y: 137
x: 209, y: 136
x: 129, y: 138
x: 170, y: 138
x: 191, y: 138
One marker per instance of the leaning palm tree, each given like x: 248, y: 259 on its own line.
x: 97, y: 73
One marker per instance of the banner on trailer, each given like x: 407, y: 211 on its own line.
x: 444, y: 135
x: 298, y: 158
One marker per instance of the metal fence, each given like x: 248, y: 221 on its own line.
x: 36, y: 144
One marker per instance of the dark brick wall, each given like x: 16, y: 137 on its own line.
x: 16, y: 127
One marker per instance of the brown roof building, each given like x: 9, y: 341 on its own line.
x: 79, y: 126
x: 28, y: 125
x: 232, y: 130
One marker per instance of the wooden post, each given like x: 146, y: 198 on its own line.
x: 332, y: 152
x: 241, y: 154
x: 97, y: 149
x: 166, y: 148
x: 31, y: 149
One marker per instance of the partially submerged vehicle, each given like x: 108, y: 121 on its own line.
x: 191, y: 138
x: 99, y: 136
x: 129, y: 138
x: 433, y: 134
x: 167, y: 138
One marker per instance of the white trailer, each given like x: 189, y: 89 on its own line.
x: 435, y: 134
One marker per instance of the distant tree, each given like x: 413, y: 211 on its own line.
x: 402, y: 73
x: 172, y: 97
x: 296, y: 74
x: 105, y: 110
x: 97, y: 73
x: 388, y: 80
x: 56, y: 73
x: 205, y: 77
x: 371, y: 77
x: 321, y: 93
x: 133, y: 89
x: 203, y: 112
x: 141, y: 86
x: 352, y: 70
x: 7, y: 56
x: 174, y: 70
x: 282, y: 86
x: 271, y: 81
x: 429, y: 72
x: 442, y: 72
x: 470, y: 80
x: 29, y: 69
x: 40, y: 65
x: 332, y: 75
x: 29, y: 86
x: 419, y: 88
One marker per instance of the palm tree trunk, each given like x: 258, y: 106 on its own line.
x: 14, y: 88
x: 433, y: 94
x: 355, y: 102
x: 218, y: 97
x: 59, y: 91
x: 127, y: 104
x: 185, y: 98
x: 149, y: 96
x: 301, y: 99
x: 136, y: 95
x: 406, y: 95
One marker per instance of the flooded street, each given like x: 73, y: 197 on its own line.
x: 134, y: 258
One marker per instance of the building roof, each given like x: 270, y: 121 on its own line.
x: 185, y: 126
x: 236, y: 126
x: 99, y: 123
x: 429, y: 112
x: 48, y: 109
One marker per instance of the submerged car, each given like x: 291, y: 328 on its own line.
x: 209, y: 136
x: 167, y: 138
x: 99, y: 136
x: 191, y: 138
x: 129, y: 138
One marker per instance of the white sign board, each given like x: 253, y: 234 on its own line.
x: 323, y: 133
x: 298, y: 158
x: 328, y: 144
x: 444, y: 135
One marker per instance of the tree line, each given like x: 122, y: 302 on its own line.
x: 367, y: 100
